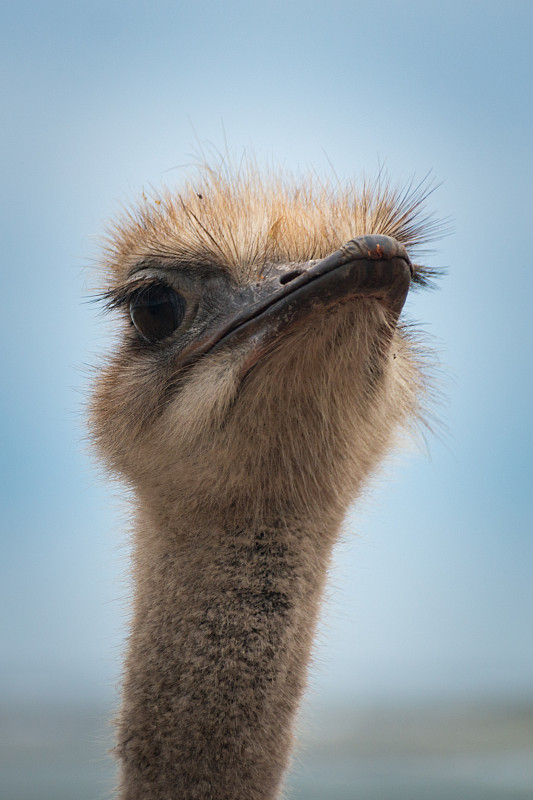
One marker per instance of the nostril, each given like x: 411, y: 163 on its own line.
x: 290, y: 276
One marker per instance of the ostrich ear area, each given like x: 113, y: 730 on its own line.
x: 368, y: 266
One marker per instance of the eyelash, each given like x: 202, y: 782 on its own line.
x: 121, y: 298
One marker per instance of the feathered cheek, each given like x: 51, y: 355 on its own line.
x: 203, y: 400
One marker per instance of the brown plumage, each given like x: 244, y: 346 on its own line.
x: 246, y: 407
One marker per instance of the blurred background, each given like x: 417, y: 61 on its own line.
x: 422, y: 685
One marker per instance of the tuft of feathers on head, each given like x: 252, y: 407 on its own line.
x: 243, y: 219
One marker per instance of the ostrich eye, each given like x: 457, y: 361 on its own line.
x: 156, y: 311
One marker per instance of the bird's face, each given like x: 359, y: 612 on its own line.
x: 195, y: 312
x: 217, y: 378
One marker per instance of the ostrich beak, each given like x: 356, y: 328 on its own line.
x: 368, y: 266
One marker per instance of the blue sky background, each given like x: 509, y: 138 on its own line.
x: 433, y: 597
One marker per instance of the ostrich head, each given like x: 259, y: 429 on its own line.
x: 260, y: 357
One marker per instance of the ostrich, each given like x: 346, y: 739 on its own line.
x: 259, y: 378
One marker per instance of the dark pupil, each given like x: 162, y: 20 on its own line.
x: 156, y: 312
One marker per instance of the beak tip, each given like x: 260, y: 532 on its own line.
x: 376, y: 247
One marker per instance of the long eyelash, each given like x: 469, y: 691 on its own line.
x: 122, y: 295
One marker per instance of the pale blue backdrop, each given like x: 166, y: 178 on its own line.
x: 432, y: 594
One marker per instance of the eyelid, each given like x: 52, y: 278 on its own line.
x: 122, y: 295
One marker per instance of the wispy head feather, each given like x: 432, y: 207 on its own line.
x: 243, y: 219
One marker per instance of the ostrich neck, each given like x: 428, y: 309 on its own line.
x: 223, y: 621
